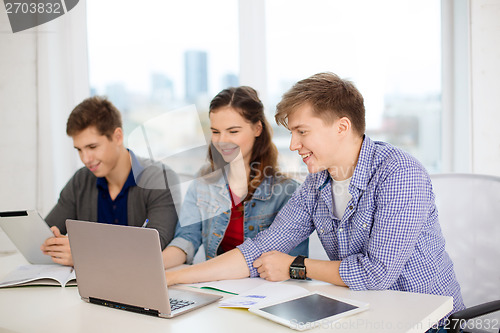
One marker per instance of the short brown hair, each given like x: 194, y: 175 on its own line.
x: 94, y: 111
x: 330, y: 97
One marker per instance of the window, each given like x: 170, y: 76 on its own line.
x: 390, y: 49
x: 156, y: 56
x: 152, y: 57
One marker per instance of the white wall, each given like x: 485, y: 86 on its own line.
x: 485, y: 85
x: 18, y: 118
x: 43, y: 75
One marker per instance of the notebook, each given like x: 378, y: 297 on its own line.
x: 27, y: 230
x: 122, y: 267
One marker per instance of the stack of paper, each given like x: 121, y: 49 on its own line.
x: 251, y: 291
x: 266, y: 293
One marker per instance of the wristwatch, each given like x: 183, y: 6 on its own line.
x: 298, y: 268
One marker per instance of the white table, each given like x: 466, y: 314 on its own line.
x: 57, y: 309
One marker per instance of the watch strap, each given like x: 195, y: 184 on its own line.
x: 298, y: 268
x: 299, y: 262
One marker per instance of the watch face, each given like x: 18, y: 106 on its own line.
x: 298, y: 273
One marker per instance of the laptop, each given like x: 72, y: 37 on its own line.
x: 122, y: 267
x: 27, y: 230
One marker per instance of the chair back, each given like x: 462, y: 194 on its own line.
x: 469, y: 214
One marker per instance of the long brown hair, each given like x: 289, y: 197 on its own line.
x: 264, y: 158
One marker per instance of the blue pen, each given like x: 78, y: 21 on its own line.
x: 145, y: 223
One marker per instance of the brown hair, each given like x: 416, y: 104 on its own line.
x: 264, y: 158
x: 94, y: 111
x: 330, y: 97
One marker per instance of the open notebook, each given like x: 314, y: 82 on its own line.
x: 40, y: 275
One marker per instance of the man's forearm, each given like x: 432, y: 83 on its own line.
x: 327, y: 271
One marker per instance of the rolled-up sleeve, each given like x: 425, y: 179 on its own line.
x: 251, y: 252
x: 186, y: 246
x: 188, y: 232
x: 291, y: 226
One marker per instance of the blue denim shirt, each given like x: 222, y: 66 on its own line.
x: 206, y: 211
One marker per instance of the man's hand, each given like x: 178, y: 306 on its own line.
x: 274, y: 266
x: 58, y: 248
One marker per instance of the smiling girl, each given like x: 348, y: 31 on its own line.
x: 240, y: 192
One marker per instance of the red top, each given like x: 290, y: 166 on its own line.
x: 234, y: 232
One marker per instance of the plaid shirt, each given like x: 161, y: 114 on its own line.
x: 389, y: 236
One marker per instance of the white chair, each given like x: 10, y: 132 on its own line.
x: 316, y: 249
x: 469, y: 213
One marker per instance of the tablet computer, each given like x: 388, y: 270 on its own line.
x: 27, y: 230
x: 309, y: 311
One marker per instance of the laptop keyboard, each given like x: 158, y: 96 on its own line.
x: 176, y: 304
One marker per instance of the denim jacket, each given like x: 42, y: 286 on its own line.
x: 206, y: 211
